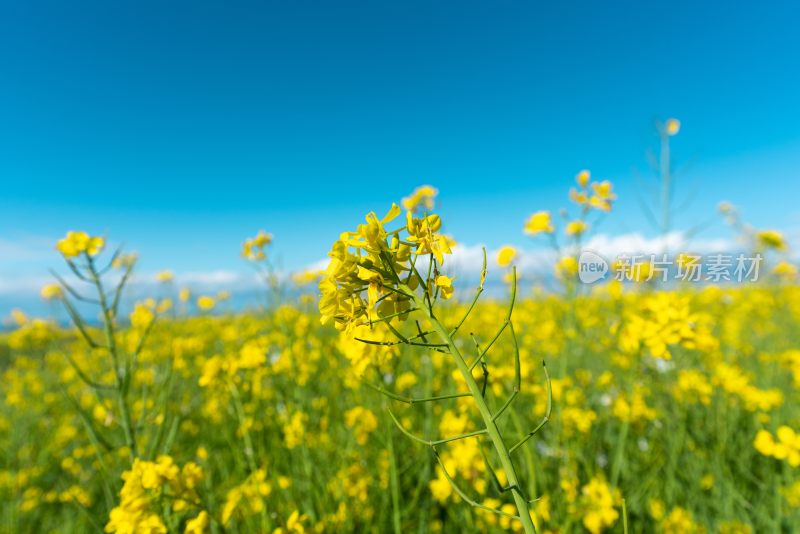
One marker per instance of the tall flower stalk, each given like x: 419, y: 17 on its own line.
x: 81, y: 252
x: 374, y: 288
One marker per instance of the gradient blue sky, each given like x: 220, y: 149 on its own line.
x: 182, y: 127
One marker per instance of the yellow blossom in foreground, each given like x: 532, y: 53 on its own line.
x: 445, y: 285
x: 146, y: 482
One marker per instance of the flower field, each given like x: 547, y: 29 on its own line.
x: 410, y: 407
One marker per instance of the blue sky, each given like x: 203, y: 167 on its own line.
x: 181, y: 128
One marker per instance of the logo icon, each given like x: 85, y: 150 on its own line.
x: 591, y: 267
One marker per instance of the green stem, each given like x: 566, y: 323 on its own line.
x: 488, y: 418
x: 394, y: 483
x: 111, y: 344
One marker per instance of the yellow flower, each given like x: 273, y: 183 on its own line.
x: 603, y: 196
x: 422, y: 198
x: 52, y: 291
x: 363, y: 421
x: 679, y: 521
x: 198, y: 525
x: 598, y: 503
x: 19, y: 316
x: 76, y: 243
x: 539, y: 222
x: 425, y: 234
x: 206, y: 303
x: 583, y: 178
x: 567, y: 267
x: 445, y: 285
x: 142, y: 315
x: 784, y: 269
x: 771, y: 239
x: 253, y: 248
x: 576, y: 228
x: 185, y: 294
x: 506, y: 255
x: 672, y: 126
x: 165, y: 276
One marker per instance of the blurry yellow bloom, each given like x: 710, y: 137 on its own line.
x: 771, y: 239
x: 206, y: 303
x: 165, y: 276
x: 76, y: 243
x: 582, y: 178
x: 51, y: 291
x: 786, y: 447
x: 185, y: 294
x: 603, y: 195
x: 680, y: 521
x: 248, y: 497
x: 792, y: 494
x: 672, y: 126
x: 656, y: 509
x: 253, y: 248
x: 567, y: 267
x: 784, y: 269
x: 197, y: 525
x: 598, y: 501
x: 421, y: 199
x: 575, y: 228
x: 539, y: 222
x: 19, y: 317
x: 578, y: 197
x: 362, y: 421
x: 142, y: 315
x: 506, y: 255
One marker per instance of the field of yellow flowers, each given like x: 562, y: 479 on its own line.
x: 620, y: 408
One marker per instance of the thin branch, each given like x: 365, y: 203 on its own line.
x: 546, y: 415
x: 411, y: 400
x: 464, y: 495
x: 478, y: 292
x: 436, y: 442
